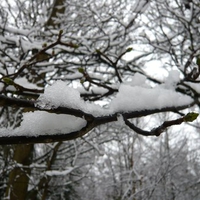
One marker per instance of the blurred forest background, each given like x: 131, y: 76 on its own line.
x: 105, y: 43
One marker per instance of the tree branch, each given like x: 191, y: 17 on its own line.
x: 42, y: 51
x: 14, y: 102
x: 91, y: 121
x: 156, y: 131
x: 47, y: 138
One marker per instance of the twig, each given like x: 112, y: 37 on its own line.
x: 156, y: 131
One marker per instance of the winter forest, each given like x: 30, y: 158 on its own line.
x: 99, y: 99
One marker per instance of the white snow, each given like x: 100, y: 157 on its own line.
x: 172, y: 79
x: 59, y: 173
x: 195, y: 86
x: 24, y: 82
x: 135, y: 96
x: 49, y: 123
x: 73, y: 76
x: 99, y: 90
x: 138, y: 79
x: 59, y: 94
x: 40, y: 122
x: 120, y: 121
x: 138, y: 98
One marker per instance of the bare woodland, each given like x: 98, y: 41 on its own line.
x: 96, y: 48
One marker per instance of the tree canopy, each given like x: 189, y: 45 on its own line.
x: 83, y: 82
x: 70, y: 67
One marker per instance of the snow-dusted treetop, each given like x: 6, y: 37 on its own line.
x: 63, y: 76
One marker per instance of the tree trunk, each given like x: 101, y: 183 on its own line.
x: 19, y: 176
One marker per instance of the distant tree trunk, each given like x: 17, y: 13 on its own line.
x: 58, y: 9
x: 19, y: 176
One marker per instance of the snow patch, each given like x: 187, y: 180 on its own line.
x: 24, y: 82
x: 59, y: 173
x: 138, y: 98
x: 172, y: 79
x: 138, y: 79
x: 40, y: 123
x: 59, y: 94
